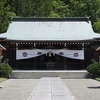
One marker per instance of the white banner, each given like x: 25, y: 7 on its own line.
x: 74, y: 54
x: 25, y: 54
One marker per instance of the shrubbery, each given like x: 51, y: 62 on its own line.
x: 6, y: 70
x: 94, y: 69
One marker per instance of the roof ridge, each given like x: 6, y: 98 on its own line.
x: 49, y: 19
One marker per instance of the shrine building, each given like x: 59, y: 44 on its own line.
x: 50, y: 43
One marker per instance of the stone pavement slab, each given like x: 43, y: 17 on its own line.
x: 20, y: 89
x: 84, y: 89
x: 17, y: 89
x: 51, y: 88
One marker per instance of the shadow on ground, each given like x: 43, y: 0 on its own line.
x: 94, y: 87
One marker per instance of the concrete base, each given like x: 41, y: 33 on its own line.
x: 37, y: 74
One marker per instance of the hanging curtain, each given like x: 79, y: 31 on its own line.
x: 74, y: 54
x: 26, y: 54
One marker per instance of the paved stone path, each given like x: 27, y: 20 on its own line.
x: 20, y: 89
x: 51, y: 88
x: 84, y: 89
x: 17, y: 89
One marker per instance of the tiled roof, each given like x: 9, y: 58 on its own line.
x: 50, y: 29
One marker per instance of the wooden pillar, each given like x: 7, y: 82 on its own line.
x: 89, y: 55
x: 1, y: 55
x: 65, y: 59
x: 84, y: 56
x: 11, y: 55
x: 35, y: 59
x: 65, y: 64
x: 17, y: 62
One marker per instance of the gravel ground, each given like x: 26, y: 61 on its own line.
x: 84, y: 89
x: 20, y: 89
x: 17, y: 89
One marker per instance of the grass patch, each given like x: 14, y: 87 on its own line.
x: 2, y: 78
x: 98, y: 79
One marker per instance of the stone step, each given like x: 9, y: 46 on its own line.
x: 37, y: 74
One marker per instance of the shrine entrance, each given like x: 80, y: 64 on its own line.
x: 50, y: 62
x: 48, y: 59
x: 43, y: 62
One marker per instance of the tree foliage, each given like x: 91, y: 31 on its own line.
x: 94, y: 69
x: 4, y: 15
x: 4, y: 9
x: 96, y: 26
x: 5, y: 69
x: 50, y: 8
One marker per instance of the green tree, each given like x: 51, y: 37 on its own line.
x: 91, y: 8
x: 6, y: 69
x: 42, y: 8
x: 4, y: 15
x: 12, y: 4
x: 49, y: 8
x: 77, y: 8
x: 96, y: 26
x: 4, y: 9
x: 59, y: 9
x: 25, y: 8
